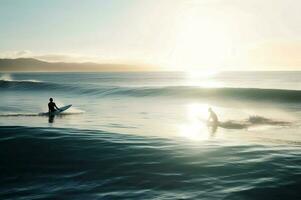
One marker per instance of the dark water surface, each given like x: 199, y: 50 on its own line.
x: 86, y: 164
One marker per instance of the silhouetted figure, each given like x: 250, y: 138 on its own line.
x: 51, y: 106
x: 212, y: 117
x: 212, y: 120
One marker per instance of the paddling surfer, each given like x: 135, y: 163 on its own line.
x: 212, y: 117
x: 212, y: 121
x: 52, y: 106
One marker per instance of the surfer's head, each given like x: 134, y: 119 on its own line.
x: 209, y: 109
x: 51, y: 100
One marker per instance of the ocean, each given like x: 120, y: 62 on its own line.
x: 144, y: 135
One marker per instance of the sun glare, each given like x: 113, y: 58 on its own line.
x: 195, y: 128
x: 206, y: 73
x: 203, y: 78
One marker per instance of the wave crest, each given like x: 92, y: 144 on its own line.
x: 255, y: 94
x: 8, y: 78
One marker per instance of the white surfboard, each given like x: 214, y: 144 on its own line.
x: 62, y: 109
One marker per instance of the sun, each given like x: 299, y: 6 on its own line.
x: 202, y: 41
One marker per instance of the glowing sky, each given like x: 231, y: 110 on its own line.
x: 175, y: 34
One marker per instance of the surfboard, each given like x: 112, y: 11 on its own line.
x: 61, y: 109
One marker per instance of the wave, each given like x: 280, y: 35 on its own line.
x: 26, y: 85
x: 256, y: 94
x: 197, y: 92
x: 72, y: 112
x: 8, y: 78
x: 253, y: 121
x: 37, y: 114
x: 20, y: 115
x: 91, y: 164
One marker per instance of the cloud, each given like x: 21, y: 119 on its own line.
x: 63, y: 58
x: 49, y: 57
x: 77, y: 58
x: 16, y: 54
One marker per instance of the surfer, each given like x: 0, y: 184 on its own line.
x: 212, y: 117
x: 212, y: 121
x: 51, y: 106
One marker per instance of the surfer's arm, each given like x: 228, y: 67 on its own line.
x: 56, y: 107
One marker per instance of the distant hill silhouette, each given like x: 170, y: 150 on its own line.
x: 35, y: 65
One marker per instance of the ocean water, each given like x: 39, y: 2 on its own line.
x: 145, y: 136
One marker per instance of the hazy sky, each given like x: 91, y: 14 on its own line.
x: 176, y: 34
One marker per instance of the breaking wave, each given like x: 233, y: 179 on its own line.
x: 255, y: 94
